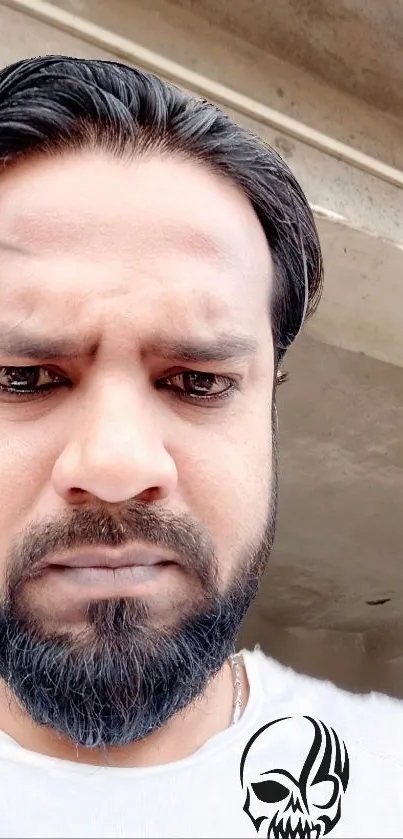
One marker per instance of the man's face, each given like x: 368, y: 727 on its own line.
x: 148, y: 283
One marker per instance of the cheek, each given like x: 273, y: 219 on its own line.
x: 26, y: 457
x: 225, y: 480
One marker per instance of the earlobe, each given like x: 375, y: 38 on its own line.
x: 281, y: 377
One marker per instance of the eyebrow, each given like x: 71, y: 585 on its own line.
x: 18, y: 342
x: 222, y: 348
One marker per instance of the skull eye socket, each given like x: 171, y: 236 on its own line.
x: 270, y: 791
x: 324, y: 793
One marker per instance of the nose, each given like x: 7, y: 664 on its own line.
x: 115, y: 452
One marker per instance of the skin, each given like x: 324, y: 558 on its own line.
x: 122, y: 258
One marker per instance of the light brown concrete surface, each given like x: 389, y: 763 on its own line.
x: 332, y: 599
x: 354, y: 45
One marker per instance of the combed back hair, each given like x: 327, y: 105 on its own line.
x: 53, y: 104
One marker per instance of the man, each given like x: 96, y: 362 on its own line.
x: 156, y: 263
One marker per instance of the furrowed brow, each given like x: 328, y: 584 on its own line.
x: 16, y: 341
x: 221, y: 348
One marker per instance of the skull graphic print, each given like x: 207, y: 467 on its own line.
x: 299, y: 796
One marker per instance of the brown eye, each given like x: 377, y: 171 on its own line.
x: 200, y: 384
x: 193, y: 384
x: 34, y: 380
x: 22, y: 378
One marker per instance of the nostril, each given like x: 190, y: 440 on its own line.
x: 150, y: 495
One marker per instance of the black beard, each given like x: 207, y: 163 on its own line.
x: 121, y: 678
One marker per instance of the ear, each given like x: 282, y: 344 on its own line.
x: 281, y: 377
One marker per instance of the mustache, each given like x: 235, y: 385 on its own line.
x: 80, y: 529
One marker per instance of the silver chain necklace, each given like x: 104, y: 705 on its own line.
x: 236, y: 679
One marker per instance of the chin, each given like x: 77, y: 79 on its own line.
x: 120, y: 677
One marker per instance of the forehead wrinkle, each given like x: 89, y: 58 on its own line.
x: 157, y: 241
x: 189, y: 239
x: 13, y: 248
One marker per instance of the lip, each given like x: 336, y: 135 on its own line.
x: 129, y: 557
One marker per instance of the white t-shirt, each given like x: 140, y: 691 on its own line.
x: 286, y: 773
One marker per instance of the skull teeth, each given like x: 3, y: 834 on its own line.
x: 285, y: 830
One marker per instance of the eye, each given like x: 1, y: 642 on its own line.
x: 270, y: 791
x: 23, y: 381
x: 192, y: 384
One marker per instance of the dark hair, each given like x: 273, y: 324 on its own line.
x: 53, y: 103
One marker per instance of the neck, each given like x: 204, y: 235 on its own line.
x: 183, y: 735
